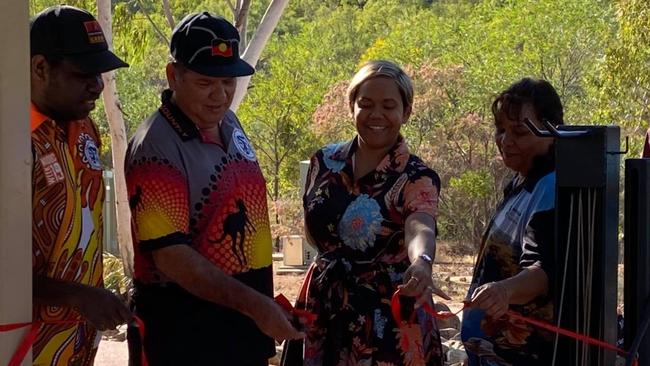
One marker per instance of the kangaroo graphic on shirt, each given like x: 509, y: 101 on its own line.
x: 235, y: 225
x: 135, y: 201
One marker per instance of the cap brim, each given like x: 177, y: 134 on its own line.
x: 97, y: 62
x: 237, y: 69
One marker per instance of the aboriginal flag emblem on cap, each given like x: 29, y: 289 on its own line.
x: 94, y: 31
x: 222, y: 47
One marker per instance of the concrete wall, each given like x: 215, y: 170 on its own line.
x: 15, y: 181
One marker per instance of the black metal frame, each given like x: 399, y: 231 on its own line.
x: 587, y: 167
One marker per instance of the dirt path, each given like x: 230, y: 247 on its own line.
x: 112, y: 353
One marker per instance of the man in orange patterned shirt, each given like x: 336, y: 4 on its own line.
x: 68, y: 55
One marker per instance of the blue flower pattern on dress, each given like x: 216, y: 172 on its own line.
x: 361, y: 223
x: 332, y: 164
x: 379, y: 324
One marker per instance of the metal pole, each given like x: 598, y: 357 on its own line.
x: 637, y: 254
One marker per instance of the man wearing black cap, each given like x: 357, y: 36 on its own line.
x: 200, y: 222
x: 68, y: 55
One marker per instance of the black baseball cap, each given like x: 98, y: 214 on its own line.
x: 208, y: 44
x: 75, y: 35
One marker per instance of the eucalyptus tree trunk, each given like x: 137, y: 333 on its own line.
x: 256, y: 45
x: 118, y: 145
x: 168, y: 14
x: 240, y: 15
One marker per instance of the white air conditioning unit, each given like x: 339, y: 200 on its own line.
x: 296, y: 251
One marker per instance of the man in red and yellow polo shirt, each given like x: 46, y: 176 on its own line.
x: 202, y: 240
x: 68, y: 55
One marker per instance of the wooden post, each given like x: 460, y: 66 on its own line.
x: 15, y: 176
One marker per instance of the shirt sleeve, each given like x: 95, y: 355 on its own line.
x: 537, y: 246
x: 421, y: 193
x: 158, y: 197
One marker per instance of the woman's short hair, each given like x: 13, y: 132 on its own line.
x: 539, y: 93
x: 381, y: 68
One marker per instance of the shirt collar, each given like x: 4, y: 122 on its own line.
x: 184, y: 127
x: 542, y: 165
x: 36, y: 117
x: 394, y: 161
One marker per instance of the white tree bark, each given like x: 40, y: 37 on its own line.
x: 168, y: 14
x: 118, y: 145
x: 258, y: 42
x: 243, y: 29
x: 240, y: 16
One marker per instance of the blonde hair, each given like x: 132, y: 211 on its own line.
x: 382, y: 68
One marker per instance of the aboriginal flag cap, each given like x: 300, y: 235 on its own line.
x: 67, y: 32
x: 209, y: 45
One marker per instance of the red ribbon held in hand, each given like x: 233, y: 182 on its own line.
x: 397, y: 315
x: 396, y: 308
x: 305, y: 317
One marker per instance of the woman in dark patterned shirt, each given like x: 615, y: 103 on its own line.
x: 370, y: 209
x: 515, y: 260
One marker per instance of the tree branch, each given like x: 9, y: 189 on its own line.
x: 242, y: 27
x: 232, y: 8
x: 168, y: 14
x: 256, y: 45
x: 264, y: 152
x: 155, y: 27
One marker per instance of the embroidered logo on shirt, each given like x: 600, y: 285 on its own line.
x: 52, y: 169
x: 88, y: 151
x: 243, y: 145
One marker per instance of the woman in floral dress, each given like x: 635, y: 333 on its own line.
x: 370, y: 208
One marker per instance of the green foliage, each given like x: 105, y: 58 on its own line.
x: 473, y: 184
x: 624, y: 92
x: 35, y: 6
x: 114, y: 278
x: 460, y: 53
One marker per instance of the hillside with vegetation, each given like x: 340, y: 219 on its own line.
x: 460, y: 53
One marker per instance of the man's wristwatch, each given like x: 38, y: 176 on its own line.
x: 427, y: 258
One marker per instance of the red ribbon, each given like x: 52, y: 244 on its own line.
x: 143, y: 356
x: 306, y: 316
x: 25, y: 343
x: 396, y: 308
x: 30, y: 337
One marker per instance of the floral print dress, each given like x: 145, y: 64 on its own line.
x: 358, y: 229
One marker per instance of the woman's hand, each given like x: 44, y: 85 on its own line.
x: 493, y: 298
x: 418, y: 283
x: 496, y: 297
